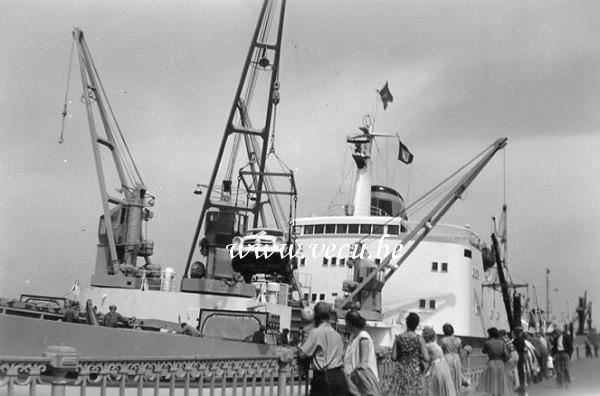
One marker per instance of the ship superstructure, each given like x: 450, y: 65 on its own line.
x: 442, y: 279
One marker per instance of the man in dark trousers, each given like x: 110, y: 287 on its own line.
x: 325, y: 349
x: 562, y: 349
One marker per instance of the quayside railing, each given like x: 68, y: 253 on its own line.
x: 60, y: 371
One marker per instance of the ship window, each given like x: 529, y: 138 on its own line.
x: 352, y: 228
x: 314, y: 297
x: 491, y: 314
x: 434, y: 266
x: 319, y: 228
x: 365, y: 228
x: 377, y: 229
x: 321, y: 297
x: 305, y: 296
x: 333, y: 260
x: 303, y: 262
x: 475, y: 273
x: 308, y: 229
x: 324, y: 261
x: 330, y: 229
x: 444, y: 267
x: 377, y: 261
x: 342, y: 228
x: 342, y: 262
x: 422, y: 303
x: 497, y: 315
x: 431, y: 304
x: 392, y: 229
x: 468, y: 253
x: 403, y: 228
x: 334, y: 295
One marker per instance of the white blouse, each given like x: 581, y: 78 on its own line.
x: 352, y: 356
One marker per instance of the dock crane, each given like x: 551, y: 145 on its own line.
x: 121, y: 239
x: 228, y: 211
x: 365, y: 290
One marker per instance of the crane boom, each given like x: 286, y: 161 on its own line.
x: 120, y: 234
x: 220, y: 214
x: 420, y: 231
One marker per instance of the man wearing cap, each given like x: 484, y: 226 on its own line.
x: 324, y: 347
x: 115, y: 319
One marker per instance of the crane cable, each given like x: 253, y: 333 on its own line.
x: 64, y: 112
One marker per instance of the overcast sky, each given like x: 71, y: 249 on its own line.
x: 462, y: 74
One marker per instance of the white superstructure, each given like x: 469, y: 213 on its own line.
x: 441, y: 280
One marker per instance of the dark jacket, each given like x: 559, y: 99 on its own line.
x: 567, y: 344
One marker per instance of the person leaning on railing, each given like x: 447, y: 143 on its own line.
x: 325, y: 349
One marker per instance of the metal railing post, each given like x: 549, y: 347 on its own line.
x: 63, y: 359
x: 285, y: 357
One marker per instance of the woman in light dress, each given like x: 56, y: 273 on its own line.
x: 360, y: 362
x: 438, y: 376
x: 451, y: 346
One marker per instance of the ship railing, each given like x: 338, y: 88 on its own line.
x: 61, y: 371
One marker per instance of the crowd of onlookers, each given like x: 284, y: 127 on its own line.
x: 520, y: 358
x: 423, y: 364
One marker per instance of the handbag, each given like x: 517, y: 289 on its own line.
x: 365, y: 381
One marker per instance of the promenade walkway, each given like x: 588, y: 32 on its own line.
x: 585, y: 381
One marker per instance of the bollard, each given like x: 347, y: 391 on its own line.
x: 285, y: 357
x: 63, y: 359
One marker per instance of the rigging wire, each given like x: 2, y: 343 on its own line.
x: 427, y: 196
x: 122, y: 140
x: 64, y: 112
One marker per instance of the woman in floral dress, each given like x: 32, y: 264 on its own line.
x: 410, y: 353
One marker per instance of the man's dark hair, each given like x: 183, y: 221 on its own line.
x: 412, y: 321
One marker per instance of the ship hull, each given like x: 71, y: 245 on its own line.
x: 25, y: 337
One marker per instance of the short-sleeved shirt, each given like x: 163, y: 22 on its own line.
x: 325, y: 347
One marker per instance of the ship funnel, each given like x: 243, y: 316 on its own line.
x: 386, y: 201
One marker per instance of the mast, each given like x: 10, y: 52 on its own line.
x: 418, y: 233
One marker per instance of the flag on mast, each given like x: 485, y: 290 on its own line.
x: 386, y: 95
x: 404, y: 154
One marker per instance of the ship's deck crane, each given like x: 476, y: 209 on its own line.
x: 231, y: 208
x: 120, y: 233
x: 368, y: 282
